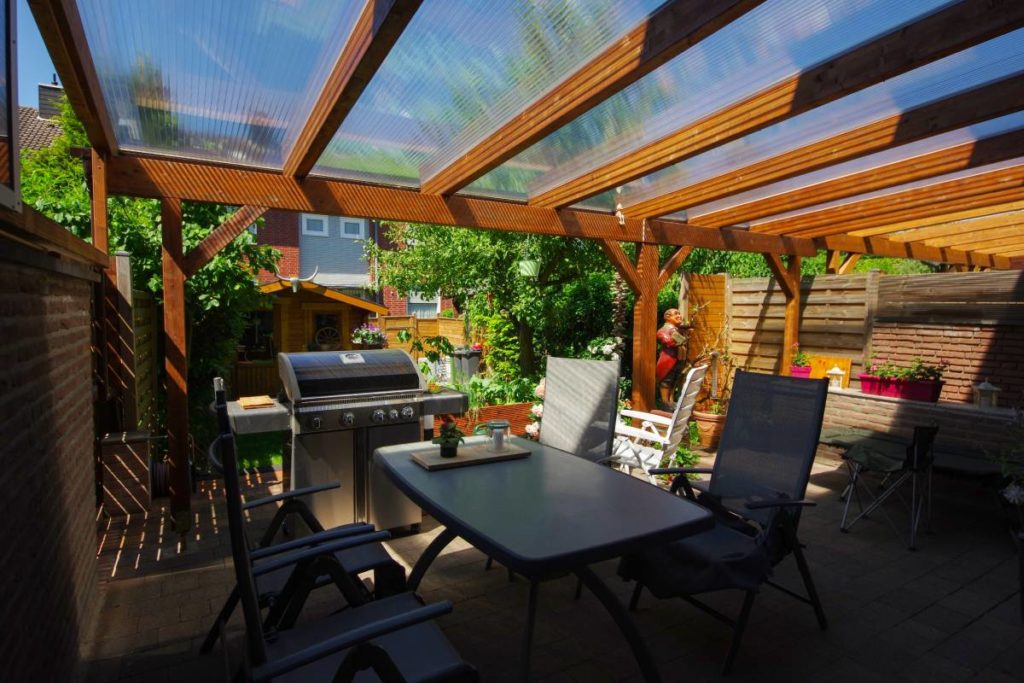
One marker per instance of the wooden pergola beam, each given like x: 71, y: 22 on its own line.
x: 837, y: 264
x: 788, y: 277
x: 946, y: 218
x: 978, y: 190
x: 879, y: 246
x: 60, y: 26
x: 220, y: 237
x: 999, y: 245
x: 974, y: 154
x: 374, y: 34
x: 672, y: 28
x: 672, y: 264
x: 975, y: 239
x: 957, y: 111
x: 645, y: 325
x: 937, y: 35
x: 623, y: 265
x: 156, y: 178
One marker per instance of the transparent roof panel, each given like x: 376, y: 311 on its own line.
x: 991, y: 61
x: 980, y: 131
x: 777, y: 40
x: 460, y: 70
x: 230, y: 80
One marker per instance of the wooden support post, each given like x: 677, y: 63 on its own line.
x: 788, y: 277
x: 833, y: 260
x: 645, y: 328
x: 846, y: 267
x: 175, y: 362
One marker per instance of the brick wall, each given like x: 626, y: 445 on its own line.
x: 396, y: 303
x: 962, y: 428
x: 517, y: 414
x: 46, y: 473
x: 281, y: 230
x: 974, y: 352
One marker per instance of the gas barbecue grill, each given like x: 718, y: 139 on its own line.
x: 344, y: 405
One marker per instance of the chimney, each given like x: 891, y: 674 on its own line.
x: 49, y: 95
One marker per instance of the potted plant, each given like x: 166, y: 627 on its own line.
x: 710, y: 424
x: 800, y: 366
x: 449, y: 438
x: 919, y: 382
x: 369, y: 336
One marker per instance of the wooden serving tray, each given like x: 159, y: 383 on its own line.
x: 250, y: 402
x: 477, y: 454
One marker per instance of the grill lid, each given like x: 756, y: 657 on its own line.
x: 326, y: 374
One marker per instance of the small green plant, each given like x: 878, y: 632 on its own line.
x: 801, y: 359
x: 918, y: 371
x: 434, y: 348
x: 447, y: 313
x: 450, y: 434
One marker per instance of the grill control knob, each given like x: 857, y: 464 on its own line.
x: 348, y: 419
x: 393, y: 414
x: 378, y: 415
x: 315, y: 423
x: 408, y: 412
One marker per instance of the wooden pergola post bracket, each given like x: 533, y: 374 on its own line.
x: 788, y: 277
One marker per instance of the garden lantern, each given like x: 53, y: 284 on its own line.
x: 835, y: 377
x: 986, y: 395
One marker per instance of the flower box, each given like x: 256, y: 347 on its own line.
x: 913, y: 390
x: 800, y: 371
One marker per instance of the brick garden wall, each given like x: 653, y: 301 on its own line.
x: 46, y: 473
x: 974, y: 353
x: 281, y: 230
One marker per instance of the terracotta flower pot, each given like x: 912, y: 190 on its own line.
x: 800, y: 371
x: 709, y: 428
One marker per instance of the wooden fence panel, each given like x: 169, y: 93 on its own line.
x: 452, y: 328
x: 994, y: 298
x: 144, y: 324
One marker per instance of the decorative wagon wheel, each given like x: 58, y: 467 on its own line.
x: 327, y: 336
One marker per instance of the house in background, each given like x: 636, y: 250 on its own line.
x: 37, y: 127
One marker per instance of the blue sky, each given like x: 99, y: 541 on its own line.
x: 34, y: 65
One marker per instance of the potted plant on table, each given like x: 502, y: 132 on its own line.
x: 800, y: 365
x: 449, y: 438
x: 369, y: 336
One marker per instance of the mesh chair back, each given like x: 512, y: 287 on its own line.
x: 580, y: 400
x: 921, y: 451
x: 770, y: 437
x: 684, y: 407
x: 236, y: 525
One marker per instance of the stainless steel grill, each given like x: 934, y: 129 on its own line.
x: 345, y: 405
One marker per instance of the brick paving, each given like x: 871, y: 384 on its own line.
x: 948, y: 612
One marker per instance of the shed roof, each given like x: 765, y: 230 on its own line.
x: 334, y: 295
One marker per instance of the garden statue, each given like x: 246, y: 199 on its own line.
x: 673, y: 350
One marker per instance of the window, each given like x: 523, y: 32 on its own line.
x: 353, y: 228
x: 423, y: 305
x: 315, y: 225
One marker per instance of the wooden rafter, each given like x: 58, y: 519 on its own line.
x: 61, y: 28
x: 942, y: 33
x: 674, y: 27
x: 946, y: 218
x: 220, y: 237
x: 975, y: 238
x: 974, y: 154
x: 981, y: 189
x: 375, y: 32
x: 968, y: 226
x: 725, y: 239
x: 998, y: 244
x: 960, y: 110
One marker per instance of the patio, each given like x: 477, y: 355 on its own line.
x: 948, y: 612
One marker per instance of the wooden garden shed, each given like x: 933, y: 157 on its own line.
x: 316, y: 318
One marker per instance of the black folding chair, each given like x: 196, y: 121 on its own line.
x: 756, y: 491
x: 282, y: 591
x: 389, y: 639
x: 914, y: 468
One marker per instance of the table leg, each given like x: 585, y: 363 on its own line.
x: 427, y: 558
x: 531, y: 617
x: 622, y: 619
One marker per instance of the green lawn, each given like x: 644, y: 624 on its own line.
x: 260, y: 450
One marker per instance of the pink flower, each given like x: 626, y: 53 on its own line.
x: 537, y: 410
x: 539, y: 391
x: 533, y: 430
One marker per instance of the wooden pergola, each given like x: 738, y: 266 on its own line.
x: 958, y: 203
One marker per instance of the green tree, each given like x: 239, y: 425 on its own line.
x: 219, y: 298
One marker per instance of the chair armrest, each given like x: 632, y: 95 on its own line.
x: 290, y: 494
x: 350, y: 638
x: 633, y: 432
x: 314, y: 539
x: 681, y: 470
x: 778, y: 503
x: 649, y: 417
x: 317, y: 550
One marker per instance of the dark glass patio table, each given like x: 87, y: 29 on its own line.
x: 543, y: 516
